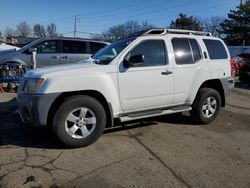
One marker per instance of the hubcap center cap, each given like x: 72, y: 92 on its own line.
x: 80, y: 122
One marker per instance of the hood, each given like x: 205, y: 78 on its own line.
x: 7, y: 51
x: 61, y: 70
x: 4, y: 46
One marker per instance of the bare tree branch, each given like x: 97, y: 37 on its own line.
x: 23, y: 29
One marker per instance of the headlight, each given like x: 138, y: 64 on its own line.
x: 32, y: 85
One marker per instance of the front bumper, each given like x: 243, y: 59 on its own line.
x: 34, y: 109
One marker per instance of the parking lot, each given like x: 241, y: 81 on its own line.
x: 168, y: 151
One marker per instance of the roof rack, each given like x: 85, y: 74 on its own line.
x: 175, y: 31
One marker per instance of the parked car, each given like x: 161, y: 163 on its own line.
x: 244, y: 71
x: 53, y: 51
x: 151, y: 73
x: 237, y: 62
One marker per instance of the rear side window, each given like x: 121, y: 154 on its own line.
x: 95, y: 46
x: 74, y: 47
x: 186, y: 50
x: 216, y: 49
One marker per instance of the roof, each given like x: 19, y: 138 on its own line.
x: 72, y: 38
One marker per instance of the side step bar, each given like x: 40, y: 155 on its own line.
x: 153, y: 113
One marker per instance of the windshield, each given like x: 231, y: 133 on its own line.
x: 107, y: 54
x: 29, y: 45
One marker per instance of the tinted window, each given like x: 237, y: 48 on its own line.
x: 153, y: 51
x: 195, y: 50
x: 51, y: 46
x: 95, y: 46
x: 216, y: 49
x: 182, y: 51
x: 74, y: 47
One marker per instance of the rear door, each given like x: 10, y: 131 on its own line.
x: 73, y: 51
x: 190, y: 67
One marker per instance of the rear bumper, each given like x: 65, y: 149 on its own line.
x: 228, y: 84
x: 34, y: 109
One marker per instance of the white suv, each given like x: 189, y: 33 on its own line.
x: 151, y: 73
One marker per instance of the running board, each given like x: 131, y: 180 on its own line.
x: 153, y: 113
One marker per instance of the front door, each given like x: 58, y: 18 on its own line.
x: 148, y: 84
x: 48, y: 53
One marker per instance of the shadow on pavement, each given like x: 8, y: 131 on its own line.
x: 14, y: 133
x: 241, y: 85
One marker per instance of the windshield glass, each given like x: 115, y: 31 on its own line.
x: 28, y: 45
x: 107, y: 54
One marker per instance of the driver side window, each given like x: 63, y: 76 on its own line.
x: 51, y: 46
x: 154, y: 52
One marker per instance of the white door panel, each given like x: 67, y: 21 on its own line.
x: 142, y: 88
x: 149, y: 84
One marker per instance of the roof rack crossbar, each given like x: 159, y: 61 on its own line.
x: 189, y: 32
x: 160, y: 31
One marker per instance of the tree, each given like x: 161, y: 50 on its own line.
x: 212, y: 25
x: 1, y: 34
x: 23, y: 29
x: 122, y: 30
x: 8, y: 32
x: 237, y: 26
x: 51, y: 30
x: 39, y: 31
x: 186, y: 22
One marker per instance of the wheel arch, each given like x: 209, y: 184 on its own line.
x: 15, y: 60
x: 216, y: 85
x: 92, y: 93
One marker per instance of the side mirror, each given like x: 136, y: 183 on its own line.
x: 30, y: 50
x: 134, y: 60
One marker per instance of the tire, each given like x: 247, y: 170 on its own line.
x: 206, y: 106
x: 79, y: 121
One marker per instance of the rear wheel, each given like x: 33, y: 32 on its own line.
x: 206, y: 105
x: 79, y: 121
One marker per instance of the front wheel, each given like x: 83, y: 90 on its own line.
x: 206, y: 106
x: 79, y: 121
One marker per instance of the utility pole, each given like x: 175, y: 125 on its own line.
x: 77, y: 18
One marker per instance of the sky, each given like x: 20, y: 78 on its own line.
x: 96, y: 16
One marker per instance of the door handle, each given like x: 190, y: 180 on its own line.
x: 167, y: 72
x: 54, y: 57
x: 64, y: 57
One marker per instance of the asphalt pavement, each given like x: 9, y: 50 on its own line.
x: 169, y: 151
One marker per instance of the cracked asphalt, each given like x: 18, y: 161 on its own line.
x: 169, y: 151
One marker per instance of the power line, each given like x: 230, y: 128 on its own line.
x: 198, y: 10
x: 147, y: 13
x: 111, y: 15
x: 124, y: 6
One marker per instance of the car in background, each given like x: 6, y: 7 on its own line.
x: 244, y: 71
x: 52, y: 51
x: 236, y: 62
